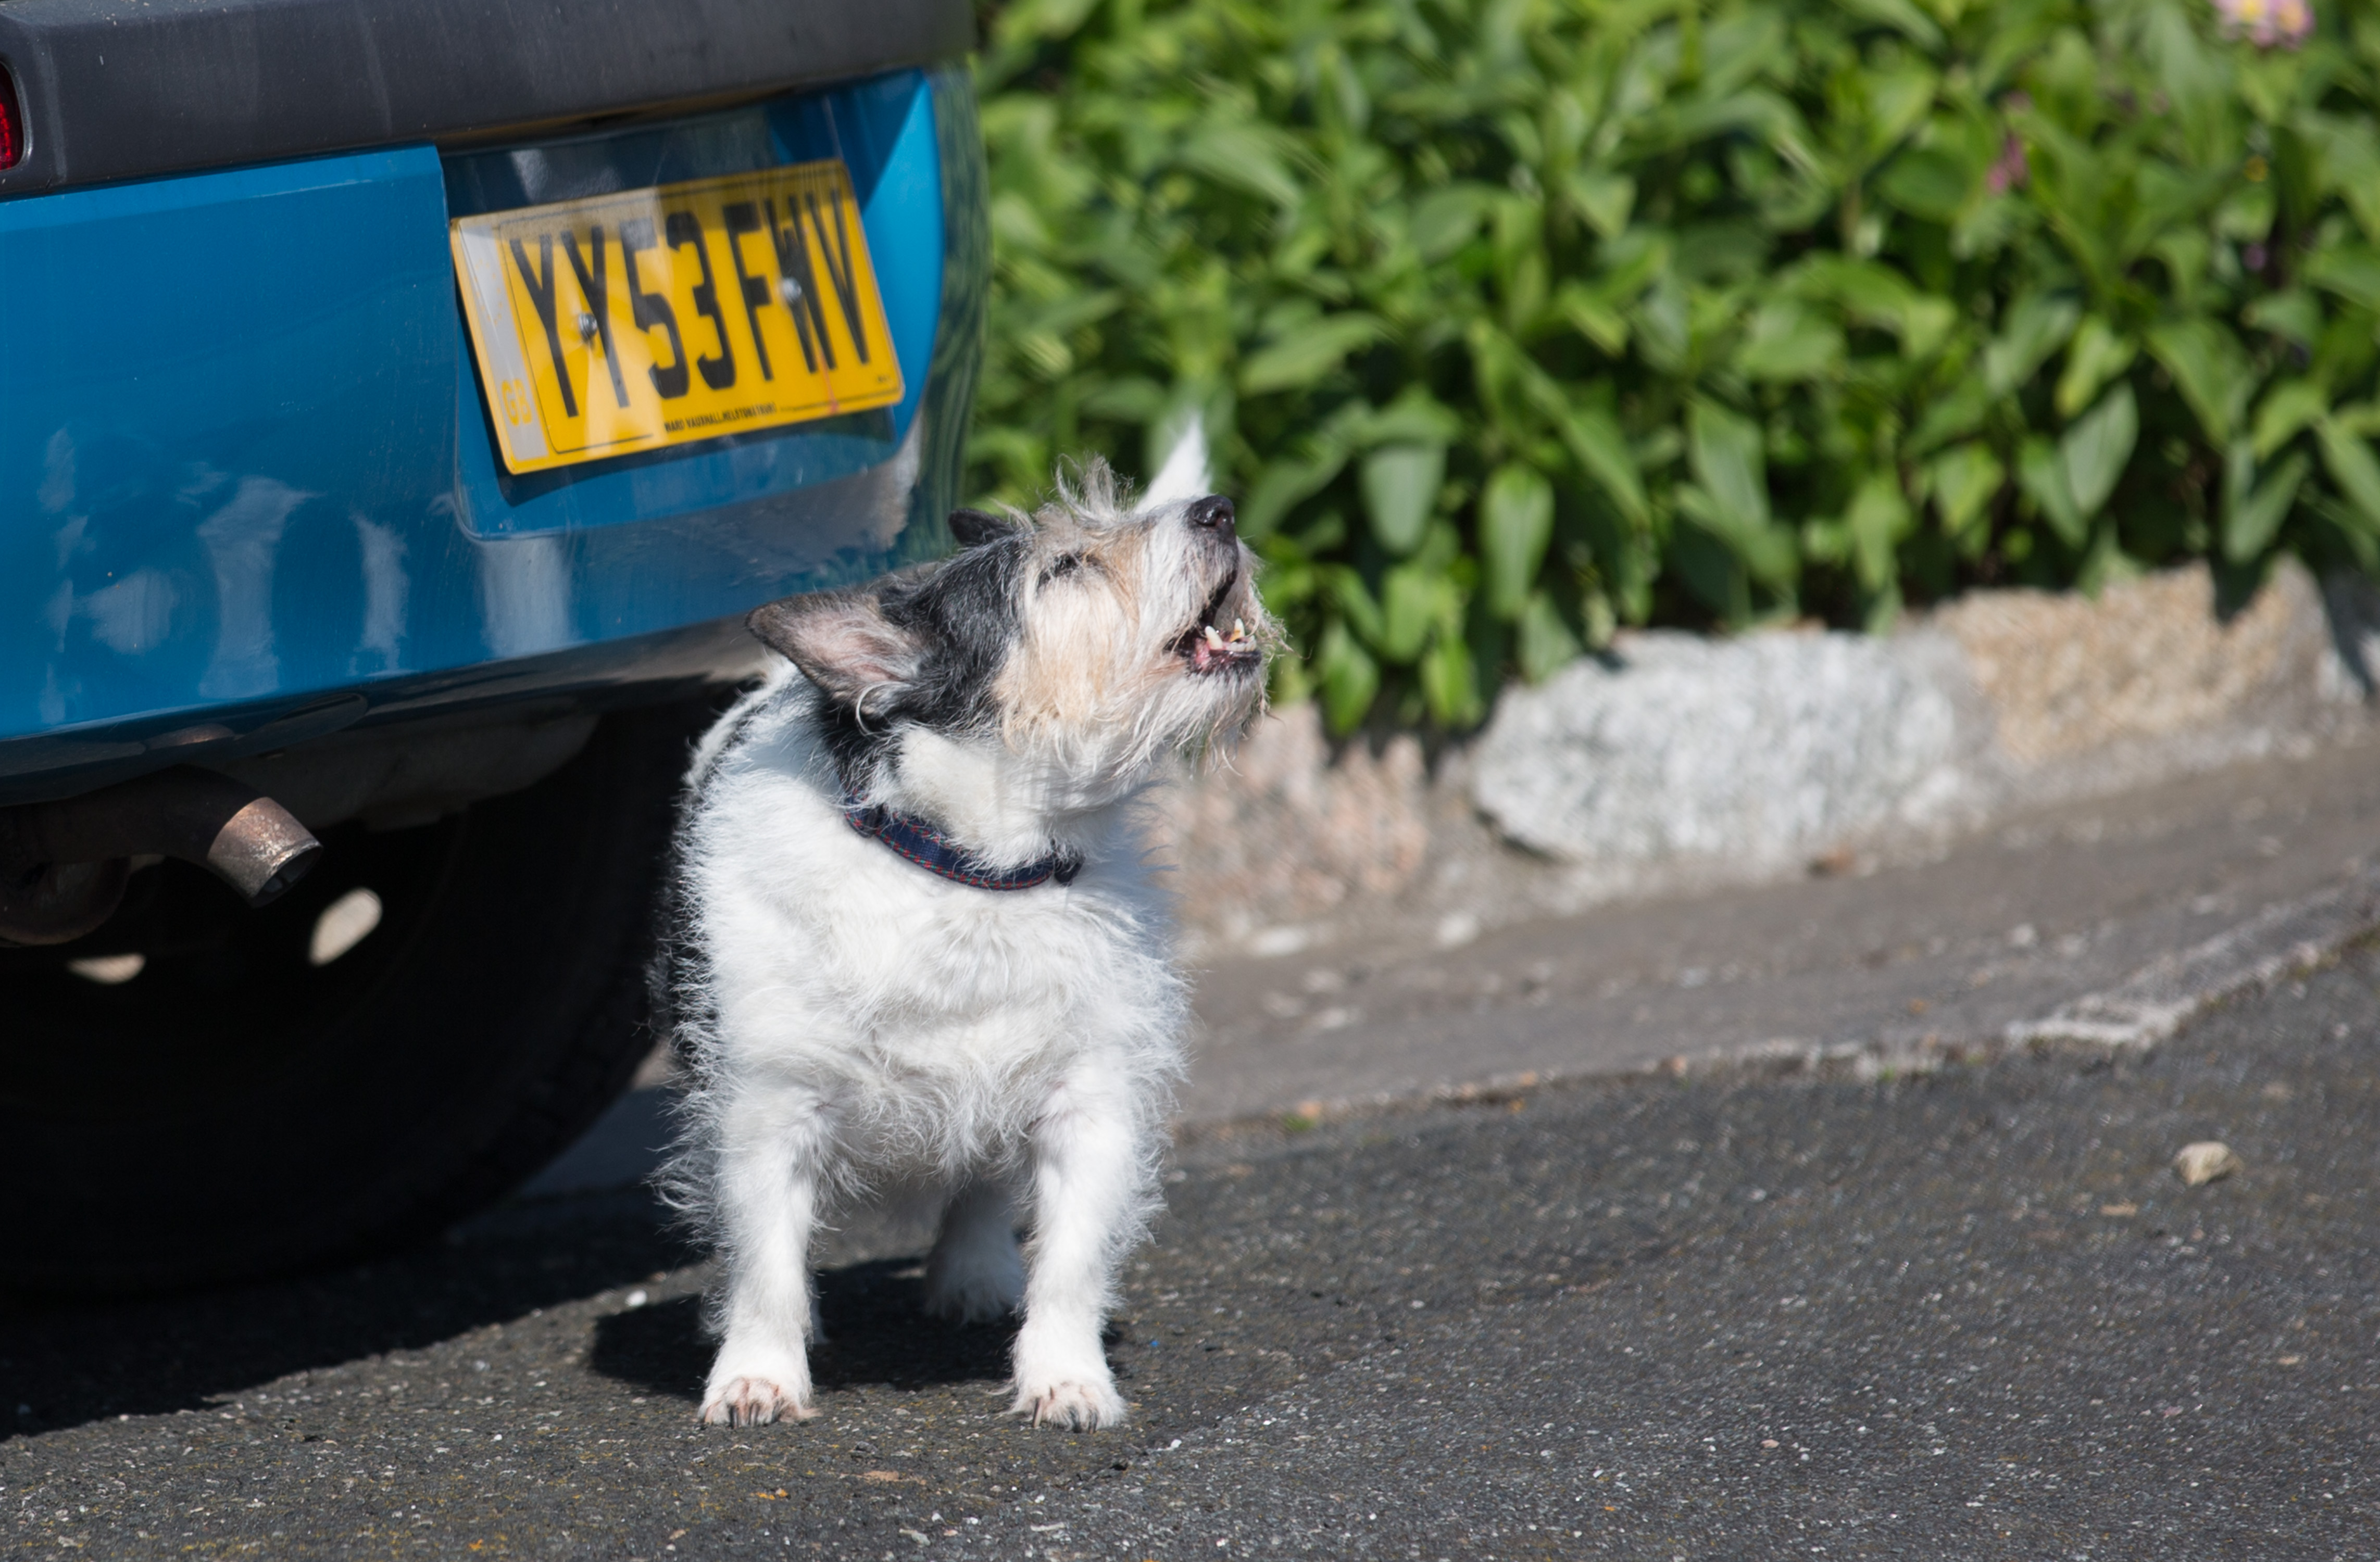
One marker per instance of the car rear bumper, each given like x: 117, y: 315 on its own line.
x: 248, y: 492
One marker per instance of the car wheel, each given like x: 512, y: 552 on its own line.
x: 198, y: 1092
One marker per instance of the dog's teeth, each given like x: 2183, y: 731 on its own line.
x: 1239, y: 629
x: 1214, y: 638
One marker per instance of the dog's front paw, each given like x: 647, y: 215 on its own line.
x: 1072, y: 1405
x: 752, y: 1401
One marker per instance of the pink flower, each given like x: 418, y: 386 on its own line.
x: 2009, y: 171
x: 2268, y: 23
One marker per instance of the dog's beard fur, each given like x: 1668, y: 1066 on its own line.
x: 856, y: 1025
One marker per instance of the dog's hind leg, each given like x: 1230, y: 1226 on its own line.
x: 975, y: 1273
x: 1086, y: 1193
x: 768, y: 1195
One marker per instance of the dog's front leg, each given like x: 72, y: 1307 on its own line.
x: 1086, y: 1191
x: 768, y: 1202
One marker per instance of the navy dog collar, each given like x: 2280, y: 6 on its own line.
x: 934, y: 852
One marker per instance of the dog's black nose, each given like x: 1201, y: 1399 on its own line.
x: 1213, y: 513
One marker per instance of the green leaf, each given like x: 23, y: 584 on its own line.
x: 1703, y: 561
x: 2094, y: 450
x: 1401, y: 484
x: 1789, y: 341
x: 2210, y: 369
x: 1414, y: 417
x: 1450, y: 683
x: 1293, y: 477
x: 1042, y: 18
x: 1444, y: 220
x: 1601, y: 451
x: 1963, y: 480
x: 2096, y: 354
x: 1350, y: 679
x: 1756, y: 111
x: 1958, y: 411
x: 1356, y: 604
x: 2252, y: 513
x: 1764, y: 552
x: 1308, y: 353
x: 1878, y: 518
x: 2351, y: 271
x: 2035, y: 328
x: 2351, y: 465
x: 1596, y: 320
x: 1726, y: 450
x: 1928, y: 183
x: 2350, y: 163
x: 1516, y: 522
x: 2353, y: 529
x: 2288, y: 407
x: 2294, y: 314
x: 1894, y: 99
x: 2043, y: 477
x: 1604, y: 199
x: 1245, y: 156
x: 1411, y: 598
x: 1899, y: 15
x: 1545, y: 644
x: 1923, y: 324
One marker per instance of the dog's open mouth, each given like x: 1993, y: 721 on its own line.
x: 1209, y: 648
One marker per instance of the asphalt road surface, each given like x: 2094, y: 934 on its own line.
x: 1971, y: 1313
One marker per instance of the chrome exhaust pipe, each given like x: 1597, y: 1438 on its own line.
x: 63, y: 865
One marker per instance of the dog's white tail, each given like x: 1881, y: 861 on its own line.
x: 1184, y: 474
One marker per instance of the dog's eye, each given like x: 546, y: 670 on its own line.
x: 1064, y: 565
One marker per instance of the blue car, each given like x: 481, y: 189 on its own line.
x: 401, y: 406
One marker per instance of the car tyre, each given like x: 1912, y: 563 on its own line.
x: 236, y: 1110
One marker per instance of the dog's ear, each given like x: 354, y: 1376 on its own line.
x: 973, y: 529
x: 843, y: 641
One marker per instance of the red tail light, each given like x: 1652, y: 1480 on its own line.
x: 12, y: 121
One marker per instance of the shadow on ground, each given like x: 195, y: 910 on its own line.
x: 65, y: 1360
x: 877, y: 1333
x: 69, y: 1360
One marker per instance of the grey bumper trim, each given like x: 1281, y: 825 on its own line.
x: 123, y: 88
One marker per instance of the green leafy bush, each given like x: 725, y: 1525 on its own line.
x: 1514, y: 321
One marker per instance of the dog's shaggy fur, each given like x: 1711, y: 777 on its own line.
x: 857, y: 1025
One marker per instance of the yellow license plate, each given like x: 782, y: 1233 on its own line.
x: 658, y: 317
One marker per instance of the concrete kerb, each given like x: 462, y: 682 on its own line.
x: 2128, y: 1020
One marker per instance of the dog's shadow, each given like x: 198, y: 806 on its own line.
x: 877, y: 1333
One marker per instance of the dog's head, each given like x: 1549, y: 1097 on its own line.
x: 1084, y: 641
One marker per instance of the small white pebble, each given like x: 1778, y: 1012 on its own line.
x: 638, y: 1298
x: 2209, y: 1160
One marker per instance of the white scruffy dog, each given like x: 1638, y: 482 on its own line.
x: 912, y: 947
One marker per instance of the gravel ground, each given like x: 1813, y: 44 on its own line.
x: 1971, y: 1313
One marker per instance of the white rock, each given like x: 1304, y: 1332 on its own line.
x: 1762, y: 750
x: 2209, y: 1160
